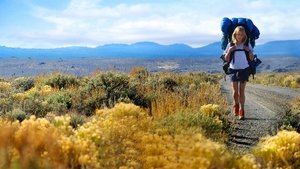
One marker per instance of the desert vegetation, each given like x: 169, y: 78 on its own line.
x: 135, y: 120
x: 287, y: 79
x: 291, y: 121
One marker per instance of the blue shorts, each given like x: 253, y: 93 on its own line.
x: 240, y: 75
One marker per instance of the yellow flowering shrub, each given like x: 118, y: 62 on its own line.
x: 112, y: 135
x: 79, y: 152
x: 107, y: 140
x: 31, y: 92
x: 287, y: 79
x: 47, y: 90
x: 247, y: 161
x: 63, y: 123
x: 279, y: 151
x: 186, y: 129
x: 20, y: 97
x: 31, y: 143
x: 295, y: 105
x: 5, y: 86
x: 184, y: 151
x: 292, y: 81
x: 211, y: 110
x: 126, y: 137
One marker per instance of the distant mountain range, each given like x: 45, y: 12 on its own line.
x: 149, y: 50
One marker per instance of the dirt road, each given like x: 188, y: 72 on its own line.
x: 264, y: 108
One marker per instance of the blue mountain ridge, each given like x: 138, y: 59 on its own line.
x: 149, y: 50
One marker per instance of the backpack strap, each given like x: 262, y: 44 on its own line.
x: 247, y: 52
x: 232, y: 54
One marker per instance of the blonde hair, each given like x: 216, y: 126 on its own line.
x: 239, y: 29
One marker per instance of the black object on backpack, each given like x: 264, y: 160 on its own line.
x: 253, y: 64
x: 225, y: 66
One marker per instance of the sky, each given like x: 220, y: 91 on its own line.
x: 91, y: 23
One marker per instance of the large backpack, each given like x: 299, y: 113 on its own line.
x: 227, y: 27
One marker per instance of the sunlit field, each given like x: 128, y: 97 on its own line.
x: 138, y: 120
x: 290, y: 79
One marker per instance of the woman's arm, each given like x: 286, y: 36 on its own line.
x: 251, y: 56
x: 228, y: 53
x: 250, y: 51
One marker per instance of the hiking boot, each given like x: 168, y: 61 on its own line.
x: 236, y: 109
x: 242, y: 115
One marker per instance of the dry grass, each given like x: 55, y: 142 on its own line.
x: 180, y: 123
x: 291, y: 79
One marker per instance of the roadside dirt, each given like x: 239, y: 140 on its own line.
x: 264, y: 108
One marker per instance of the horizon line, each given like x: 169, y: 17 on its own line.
x: 129, y: 44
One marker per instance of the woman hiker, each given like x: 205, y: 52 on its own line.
x: 236, y: 54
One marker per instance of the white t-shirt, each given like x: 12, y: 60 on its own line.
x: 240, y: 58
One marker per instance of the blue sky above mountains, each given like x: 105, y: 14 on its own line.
x: 59, y: 23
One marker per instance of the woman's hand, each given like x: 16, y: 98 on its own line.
x: 231, y: 48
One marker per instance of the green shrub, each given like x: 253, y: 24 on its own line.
x: 169, y: 83
x: 292, y: 118
x: 34, y: 104
x: 138, y: 98
x: 23, y: 83
x: 115, y: 87
x: 59, y: 102
x: 107, y: 89
x: 77, y: 120
x: 60, y: 81
x: 192, y: 122
x: 35, y: 107
x: 292, y: 121
x: 16, y: 114
x: 139, y: 73
x: 6, y: 104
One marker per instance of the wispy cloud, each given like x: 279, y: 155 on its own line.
x: 124, y: 23
x: 194, y: 22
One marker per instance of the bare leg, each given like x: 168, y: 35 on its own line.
x: 242, y: 94
x: 235, y: 93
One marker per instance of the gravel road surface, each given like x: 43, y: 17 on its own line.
x: 264, y: 108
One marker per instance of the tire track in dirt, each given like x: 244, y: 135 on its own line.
x: 264, y: 108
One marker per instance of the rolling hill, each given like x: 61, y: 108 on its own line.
x: 149, y: 50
